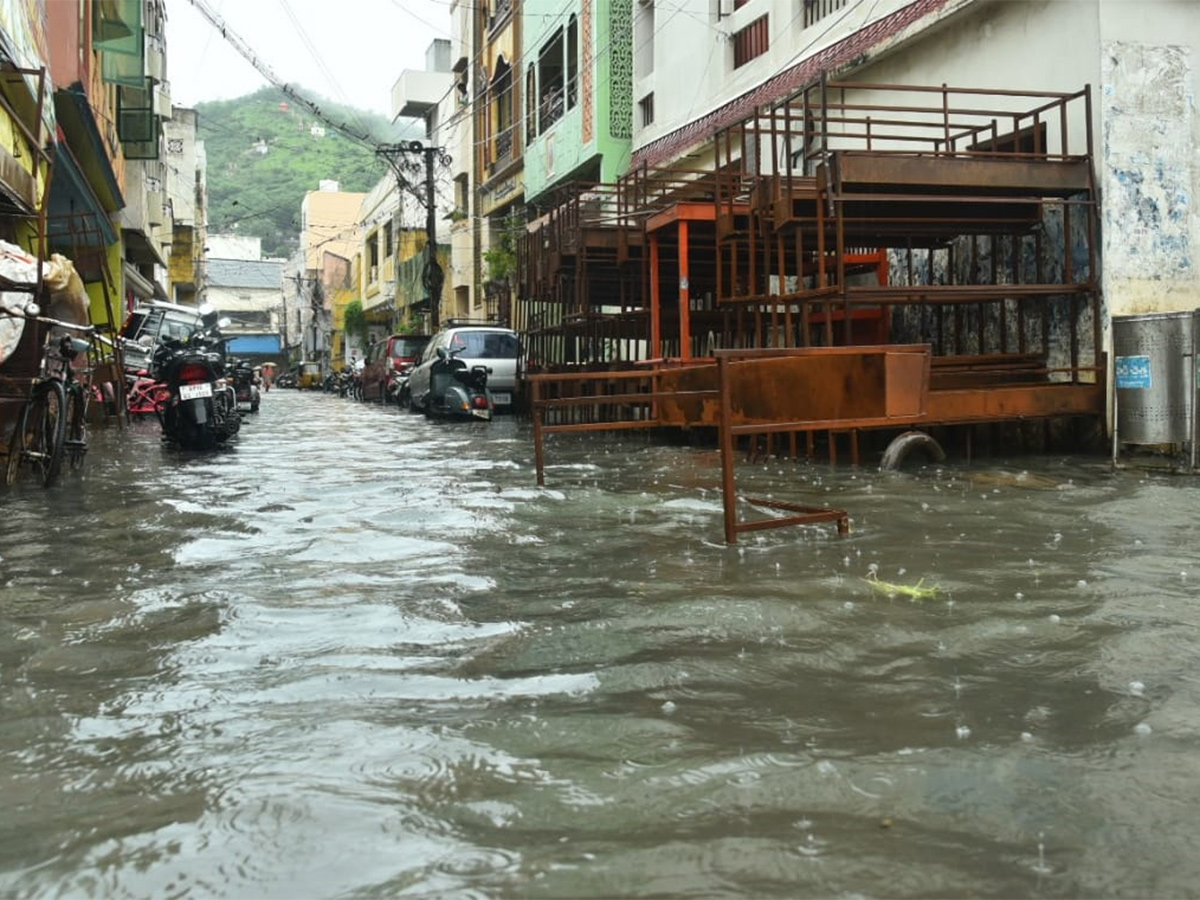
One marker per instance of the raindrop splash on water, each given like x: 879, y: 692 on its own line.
x: 1041, y: 867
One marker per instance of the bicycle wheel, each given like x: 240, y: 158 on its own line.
x: 47, y: 430
x: 16, y: 447
x: 77, y: 437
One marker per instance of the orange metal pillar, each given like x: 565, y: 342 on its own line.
x: 685, y: 312
x: 655, y: 306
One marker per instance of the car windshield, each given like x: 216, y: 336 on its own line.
x: 485, y: 344
x: 407, y: 348
x: 173, y: 328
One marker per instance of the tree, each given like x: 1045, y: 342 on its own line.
x: 354, y: 320
x: 501, y: 257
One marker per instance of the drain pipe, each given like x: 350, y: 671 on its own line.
x: 900, y: 447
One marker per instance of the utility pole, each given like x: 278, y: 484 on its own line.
x: 432, y: 277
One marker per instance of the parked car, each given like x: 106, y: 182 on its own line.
x: 498, y: 349
x: 147, y: 324
x: 388, y: 359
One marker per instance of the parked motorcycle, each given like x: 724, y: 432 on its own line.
x: 456, y: 391
x: 201, y: 411
x: 246, y: 386
x: 397, y: 387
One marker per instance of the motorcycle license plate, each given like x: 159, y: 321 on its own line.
x: 195, y: 391
x: 501, y: 398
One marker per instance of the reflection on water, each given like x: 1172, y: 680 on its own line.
x: 360, y: 653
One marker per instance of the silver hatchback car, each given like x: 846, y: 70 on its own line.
x: 499, y: 349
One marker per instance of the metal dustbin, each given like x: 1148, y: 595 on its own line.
x: 1156, y: 379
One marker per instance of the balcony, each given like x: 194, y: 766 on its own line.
x: 416, y: 92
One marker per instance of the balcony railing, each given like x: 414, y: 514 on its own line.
x: 552, y: 108
x: 504, y: 145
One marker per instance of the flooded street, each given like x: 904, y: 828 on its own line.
x: 361, y: 654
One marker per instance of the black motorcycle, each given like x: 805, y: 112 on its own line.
x: 201, y: 411
x: 456, y: 391
x: 245, y: 386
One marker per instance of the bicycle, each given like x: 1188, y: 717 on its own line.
x: 53, y: 421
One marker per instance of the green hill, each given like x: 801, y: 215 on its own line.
x: 265, y: 152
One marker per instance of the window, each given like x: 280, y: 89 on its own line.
x: 572, y: 62
x: 643, y: 38
x: 387, y: 240
x: 646, y: 110
x: 499, y: 14
x: 486, y: 344
x: 462, y: 198
x: 407, y: 348
x: 551, y: 89
x: 372, y: 257
x: 531, y: 103
x: 751, y: 42
x: 815, y: 10
x: 502, y: 105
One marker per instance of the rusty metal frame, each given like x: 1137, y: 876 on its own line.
x: 611, y: 399
x: 791, y: 227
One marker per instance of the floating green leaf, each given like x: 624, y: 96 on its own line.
x: 916, y: 591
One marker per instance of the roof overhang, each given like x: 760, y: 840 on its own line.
x: 77, y: 123
x: 142, y: 287
x: 77, y: 217
x: 141, y: 249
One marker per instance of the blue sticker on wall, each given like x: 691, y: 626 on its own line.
x: 1133, y: 372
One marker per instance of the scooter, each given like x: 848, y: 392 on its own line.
x: 456, y: 391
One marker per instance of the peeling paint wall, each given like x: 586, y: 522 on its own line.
x: 1146, y: 170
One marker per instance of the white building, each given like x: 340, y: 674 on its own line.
x: 1138, y: 59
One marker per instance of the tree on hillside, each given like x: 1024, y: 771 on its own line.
x: 264, y: 154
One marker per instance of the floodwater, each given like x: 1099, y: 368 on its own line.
x: 360, y: 654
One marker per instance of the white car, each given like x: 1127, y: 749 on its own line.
x: 147, y: 324
x: 499, y: 349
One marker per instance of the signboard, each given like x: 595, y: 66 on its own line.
x: 1133, y: 373
x: 255, y: 343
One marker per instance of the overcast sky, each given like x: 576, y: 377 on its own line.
x: 351, y: 51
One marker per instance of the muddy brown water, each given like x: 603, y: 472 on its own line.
x: 361, y: 654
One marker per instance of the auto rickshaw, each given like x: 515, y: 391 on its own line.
x: 310, y: 375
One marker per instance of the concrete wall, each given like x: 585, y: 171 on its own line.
x: 693, y: 63
x: 1139, y: 60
